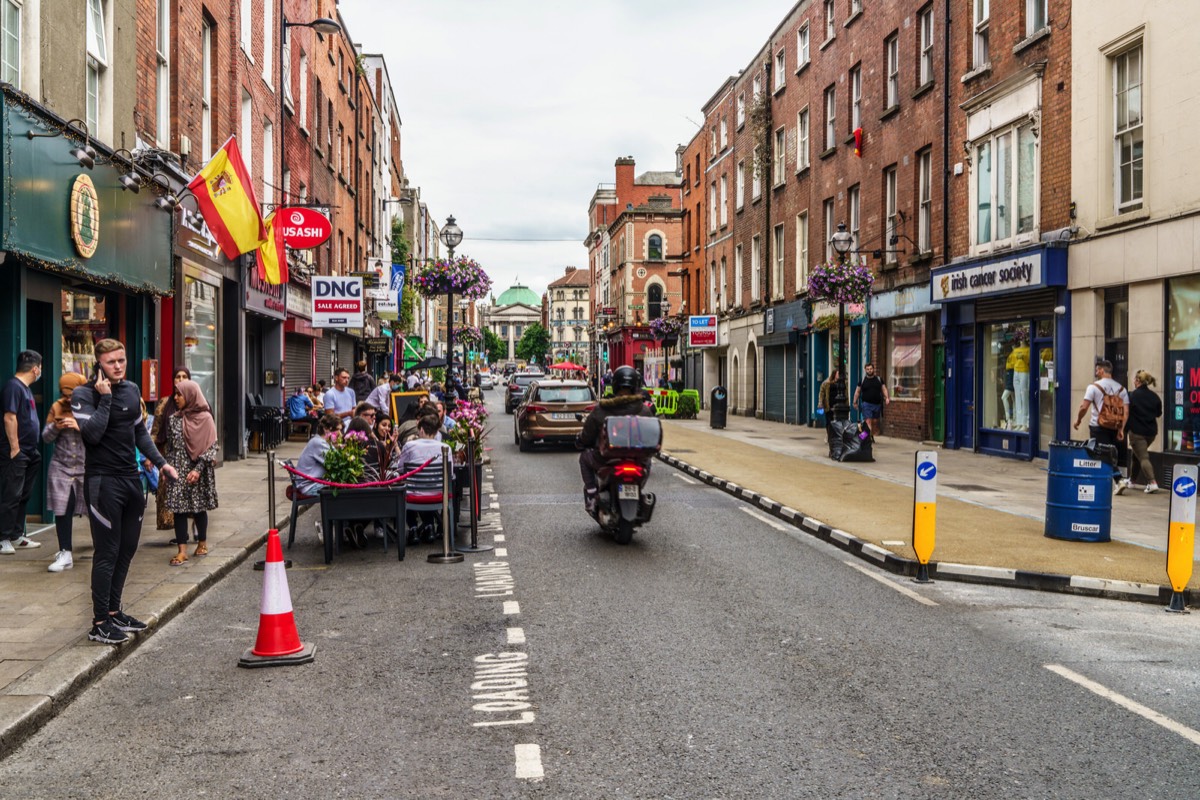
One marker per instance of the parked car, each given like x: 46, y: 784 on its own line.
x: 548, y: 412
x: 517, y: 384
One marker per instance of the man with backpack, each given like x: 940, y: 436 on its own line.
x: 1108, y: 404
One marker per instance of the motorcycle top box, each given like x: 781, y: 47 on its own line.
x: 630, y: 437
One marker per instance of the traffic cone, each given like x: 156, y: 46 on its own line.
x: 278, y: 643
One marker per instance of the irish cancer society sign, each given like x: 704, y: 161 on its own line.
x: 337, y: 301
x: 993, y: 278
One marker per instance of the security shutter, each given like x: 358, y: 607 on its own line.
x: 298, y: 359
x: 792, y: 404
x: 773, y: 383
x: 324, y: 350
x: 345, y: 353
x: 1016, y: 306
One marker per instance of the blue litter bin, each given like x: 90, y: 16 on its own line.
x: 1079, y: 492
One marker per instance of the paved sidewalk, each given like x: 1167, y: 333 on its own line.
x: 990, y: 510
x: 45, y: 656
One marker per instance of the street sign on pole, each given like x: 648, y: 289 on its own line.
x: 924, y: 510
x: 1181, y: 533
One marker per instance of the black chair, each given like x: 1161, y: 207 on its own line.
x: 423, y: 492
x: 299, y: 501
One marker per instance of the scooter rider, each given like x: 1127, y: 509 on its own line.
x: 628, y: 400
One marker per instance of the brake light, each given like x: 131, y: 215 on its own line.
x: 534, y: 410
x: 628, y: 471
x: 512, y: 387
x: 590, y: 409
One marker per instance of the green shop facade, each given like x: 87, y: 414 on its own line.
x: 81, y: 257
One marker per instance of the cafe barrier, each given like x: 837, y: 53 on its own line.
x: 446, y: 556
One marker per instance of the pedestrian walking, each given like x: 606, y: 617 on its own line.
x: 870, y: 397
x: 64, y: 476
x: 381, y: 398
x: 825, y: 396
x: 108, y: 409
x: 341, y: 400
x: 164, y: 520
x: 362, y: 384
x: 192, y: 445
x: 20, y: 461
x: 1141, y: 428
x: 1106, y: 403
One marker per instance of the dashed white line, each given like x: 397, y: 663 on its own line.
x: 763, y: 518
x: 1190, y: 734
x: 501, y: 552
x: 904, y: 590
x: 516, y: 636
x: 498, y: 538
x: 529, y: 761
x: 511, y: 607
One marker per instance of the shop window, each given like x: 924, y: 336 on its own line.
x: 200, y: 344
x: 84, y: 322
x: 904, y: 358
x: 1005, y: 376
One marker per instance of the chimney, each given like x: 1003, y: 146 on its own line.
x: 625, y: 166
x: 570, y: 270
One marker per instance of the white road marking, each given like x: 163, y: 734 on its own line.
x: 1190, y: 734
x: 904, y: 590
x: 763, y: 518
x: 684, y: 478
x: 512, y: 607
x: 893, y: 543
x: 529, y: 761
x: 501, y: 552
x: 498, y: 538
x: 516, y: 636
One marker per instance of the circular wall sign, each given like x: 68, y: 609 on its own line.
x: 303, y: 228
x: 641, y: 273
x: 85, y: 216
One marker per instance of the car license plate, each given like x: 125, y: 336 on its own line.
x: 627, y: 491
x: 561, y: 415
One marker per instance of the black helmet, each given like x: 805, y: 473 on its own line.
x: 626, y: 379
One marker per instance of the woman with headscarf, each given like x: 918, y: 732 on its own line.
x: 65, y: 473
x: 164, y: 520
x: 192, y: 450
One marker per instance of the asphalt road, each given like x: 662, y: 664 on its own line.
x: 718, y: 656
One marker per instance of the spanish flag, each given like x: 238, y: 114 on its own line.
x: 272, y: 254
x: 226, y: 198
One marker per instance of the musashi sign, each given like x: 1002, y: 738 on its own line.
x: 337, y: 301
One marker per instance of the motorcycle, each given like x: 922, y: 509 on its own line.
x: 627, y: 446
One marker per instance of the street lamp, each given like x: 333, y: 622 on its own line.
x: 322, y: 25
x: 842, y: 242
x: 452, y: 237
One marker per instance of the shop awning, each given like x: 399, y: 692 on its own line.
x: 906, y: 356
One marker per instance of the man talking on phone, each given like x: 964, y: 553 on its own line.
x: 109, y: 412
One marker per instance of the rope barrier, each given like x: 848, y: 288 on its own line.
x: 323, y: 482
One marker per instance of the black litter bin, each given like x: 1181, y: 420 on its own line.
x: 718, y: 407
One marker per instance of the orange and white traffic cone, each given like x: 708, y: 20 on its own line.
x: 278, y: 643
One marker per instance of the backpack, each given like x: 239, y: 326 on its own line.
x: 1111, y: 412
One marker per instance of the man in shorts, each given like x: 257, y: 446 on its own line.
x: 870, y: 397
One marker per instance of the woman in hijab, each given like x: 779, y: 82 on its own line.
x: 65, y: 473
x: 192, y: 450
x: 166, y: 409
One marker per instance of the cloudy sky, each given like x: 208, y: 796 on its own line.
x: 514, y: 110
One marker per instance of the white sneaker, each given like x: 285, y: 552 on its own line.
x: 1151, y: 487
x: 25, y: 543
x: 6, y: 547
x: 320, y: 537
x: 62, y: 560
x: 1122, y: 485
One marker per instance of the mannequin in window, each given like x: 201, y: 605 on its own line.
x: 1020, y: 356
x: 1007, y: 396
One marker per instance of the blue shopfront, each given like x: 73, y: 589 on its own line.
x: 1006, y: 323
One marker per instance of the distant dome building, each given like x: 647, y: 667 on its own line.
x: 509, y: 315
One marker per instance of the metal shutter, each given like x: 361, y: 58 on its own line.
x: 1023, y: 305
x: 324, y: 348
x: 298, y: 360
x: 773, y: 383
x: 792, y: 406
x: 345, y: 353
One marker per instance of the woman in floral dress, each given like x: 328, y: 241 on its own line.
x: 192, y: 440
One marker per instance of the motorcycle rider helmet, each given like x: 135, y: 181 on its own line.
x: 626, y: 380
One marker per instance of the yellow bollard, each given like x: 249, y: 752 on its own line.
x: 1181, y: 534
x: 924, y: 510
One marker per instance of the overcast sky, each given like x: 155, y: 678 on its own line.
x: 514, y: 110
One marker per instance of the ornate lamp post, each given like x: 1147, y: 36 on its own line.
x: 842, y: 242
x: 452, y: 237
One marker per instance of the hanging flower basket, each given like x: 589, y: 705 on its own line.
x: 838, y: 282
x: 666, y: 327
x: 468, y: 335
x: 463, y: 276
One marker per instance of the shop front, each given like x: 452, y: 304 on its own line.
x: 80, y: 258
x: 265, y: 305
x: 784, y: 344
x: 909, y: 356
x: 632, y: 346
x: 823, y: 347
x: 1003, y: 320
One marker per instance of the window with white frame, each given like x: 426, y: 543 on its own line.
x: 777, y: 256
x: 1127, y: 130
x: 925, y: 32
x: 780, y: 155
x: 827, y: 210
x: 891, y: 49
x: 1036, y: 16
x: 285, y: 76
x: 855, y: 98
x: 802, y: 139
x: 247, y: 27
x: 756, y: 177
x: 925, y: 200
x: 983, y: 14
x: 712, y: 286
x: 739, y: 185
x: 724, y: 200
x: 780, y: 75
x: 802, y: 46
x: 723, y: 284
x: 830, y: 117
x: 855, y: 6
x: 712, y: 141
x: 10, y: 42
x: 755, y: 268
x: 302, y: 111
x: 854, y: 201
x: 757, y: 88
x: 1006, y: 179
x: 97, y: 63
x: 801, y: 251
x: 268, y: 168
x: 737, y: 275
x: 889, y: 214
x: 712, y: 207
x: 724, y: 133
x: 268, y: 45
x: 741, y: 109
x: 162, y: 48
x: 829, y: 22
x: 246, y: 133
x: 206, y: 98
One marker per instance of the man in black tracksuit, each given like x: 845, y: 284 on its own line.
x: 109, y: 412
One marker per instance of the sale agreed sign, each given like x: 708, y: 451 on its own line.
x: 337, y: 301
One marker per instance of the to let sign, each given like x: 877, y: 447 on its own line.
x: 337, y: 301
x: 702, y: 331
x: 303, y: 228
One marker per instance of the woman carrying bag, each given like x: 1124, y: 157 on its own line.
x: 65, y: 473
x: 192, y: 442
x: 1141, y: 429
